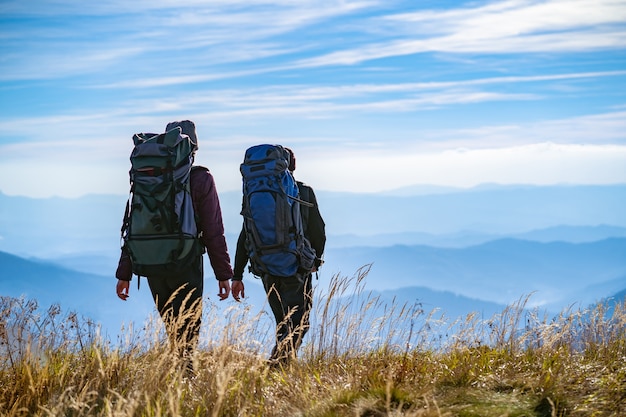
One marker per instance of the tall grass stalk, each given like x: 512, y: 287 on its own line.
x: 362, y: 357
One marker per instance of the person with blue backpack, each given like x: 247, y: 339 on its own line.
x: 172, y: 217
x: 283, y: 237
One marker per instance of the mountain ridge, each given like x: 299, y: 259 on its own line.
x: 498, y: 271
x: 83, y: 234
x: 55, y: 227
x: 93, y: 295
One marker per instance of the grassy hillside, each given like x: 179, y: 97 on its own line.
x: 512, y: 364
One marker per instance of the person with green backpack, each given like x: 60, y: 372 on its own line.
x: 172, y: 217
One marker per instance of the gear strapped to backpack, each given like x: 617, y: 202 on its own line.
x: 159, y: 230
x: 271, y: 211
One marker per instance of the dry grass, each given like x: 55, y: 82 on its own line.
x: 356, y: 362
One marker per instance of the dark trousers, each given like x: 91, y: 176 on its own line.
x: 178, y: 298
x: 290, y: 299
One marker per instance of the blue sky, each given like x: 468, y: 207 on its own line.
x: 371, y: 94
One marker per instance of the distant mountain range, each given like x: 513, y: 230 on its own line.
x: 572, y: 234
x: 451, y: 249
x: 501, y: 210
x: 500, y: 271
x: 93, y: 297
x: 55, y: 227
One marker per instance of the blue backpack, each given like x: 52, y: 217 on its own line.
x: 271, y: 212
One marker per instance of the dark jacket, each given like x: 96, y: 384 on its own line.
x: 314, y: 226
x: 314, y: 231
x: 209, y: 214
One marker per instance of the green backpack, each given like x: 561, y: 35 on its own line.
x: 159, y: 231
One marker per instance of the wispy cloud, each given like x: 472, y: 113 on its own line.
x: 180, y: 36
x: 540, y: 163
x: 589, y: 149
x: 513, y: 18
x: 366, y: 77
x: 190, y: 40
x: 331, y: 101
x: 597, y: 129
x: 507, y: 27
x: 306, y: 101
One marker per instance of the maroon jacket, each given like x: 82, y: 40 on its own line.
x: 207, y: 207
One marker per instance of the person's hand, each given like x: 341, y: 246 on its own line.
x: 224, y: 287
x: 317, y: 264
x: 122, y: 289
x: 238, y: 290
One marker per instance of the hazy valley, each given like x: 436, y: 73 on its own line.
x: 452, y: 250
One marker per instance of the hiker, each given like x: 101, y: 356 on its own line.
x: 290, y: 297
x: 178, y: 293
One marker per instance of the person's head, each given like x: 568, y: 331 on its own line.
x: 188, y: 128
x: 292, y: 159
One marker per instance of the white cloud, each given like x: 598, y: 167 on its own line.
x: 587, y: 149
x: 514, y: 17
x: 331, y: 101
x: 130, y: 34
x: 336, y: 166
x: 599, y: 129
x: 182, y: 7
x: 542, y: 163
x: 42, y: 177
x: 508, y: 27
x: 182, y: 38
x: 140, y: 64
